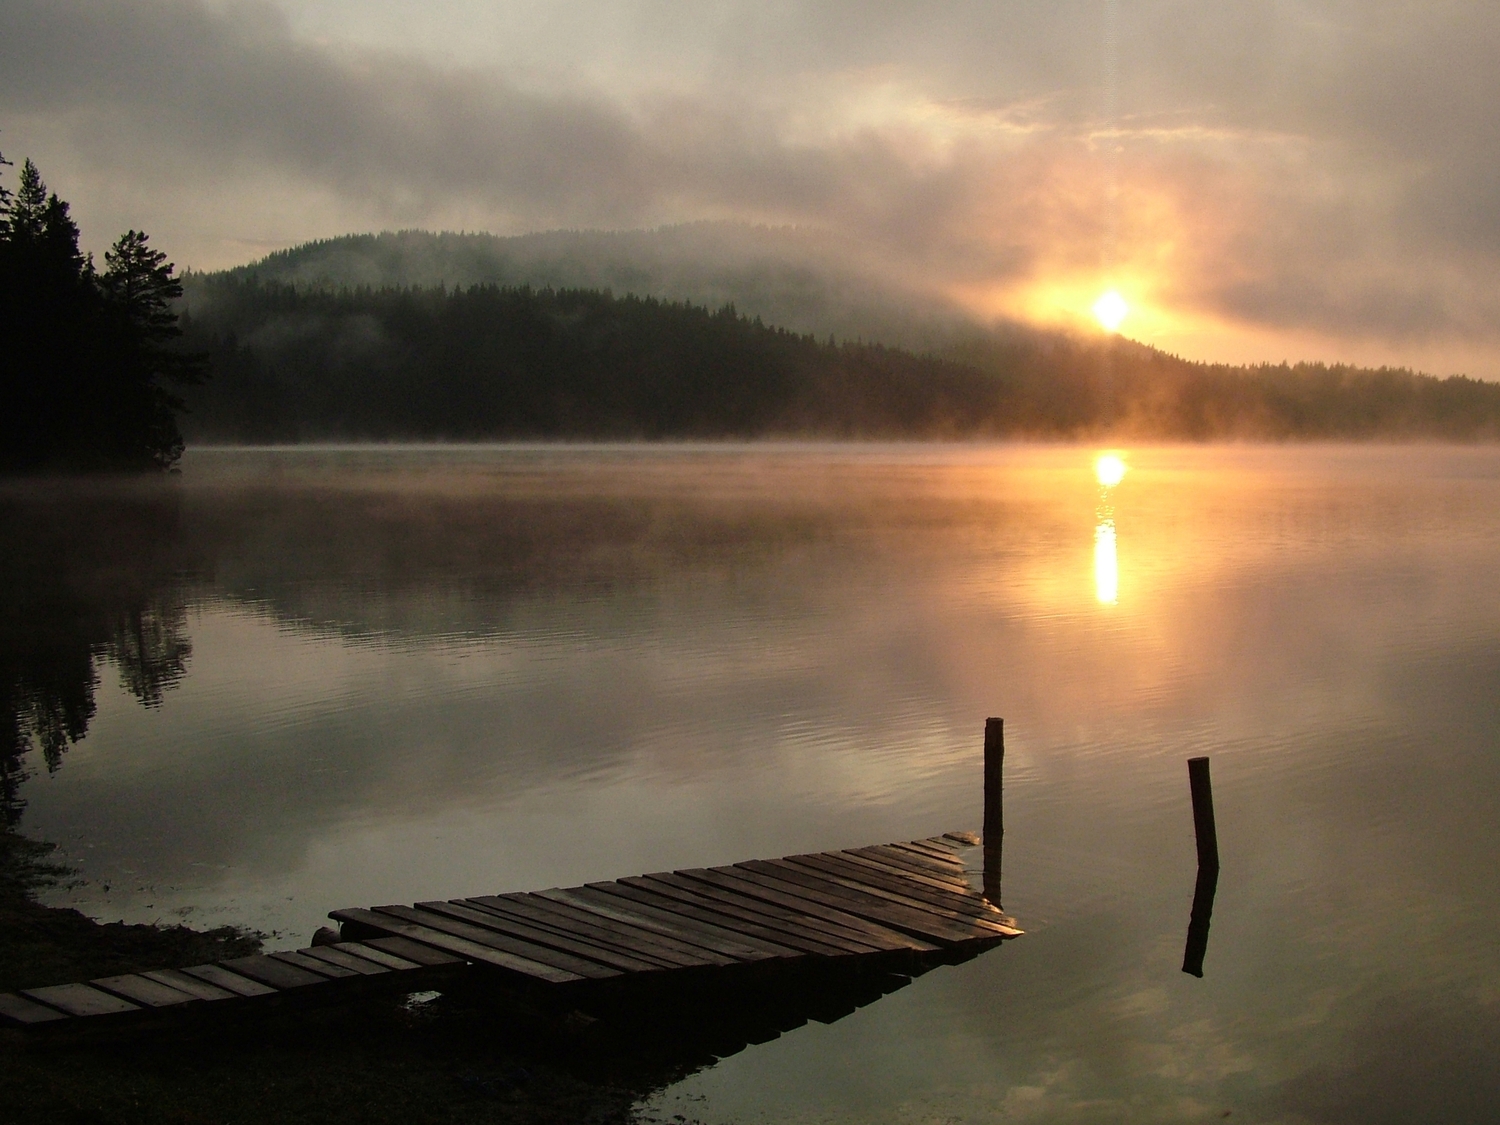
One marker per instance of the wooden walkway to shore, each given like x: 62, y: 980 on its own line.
x: 909, y: 898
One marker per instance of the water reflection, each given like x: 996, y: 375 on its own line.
x: 97, y: 586
x: 1203, y: 908
x: 1109, y: 470
x: 503, y: 670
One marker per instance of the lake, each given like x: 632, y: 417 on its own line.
x: 287, y: 681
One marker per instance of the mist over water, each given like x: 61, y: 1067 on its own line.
x: 344, y: 676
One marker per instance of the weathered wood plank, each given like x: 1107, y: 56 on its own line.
x: 936, y: 853
x: 375, y: 956
x: 144, y: 991
x: 970, y: 907
x: 184, y: 983
x: 846, y: 940
x: 638, y: 945
x: 28, y: 1013
x: 335, y: 956
x: 80, y: 1000
x: 796, y: 935
x: 717, y: 941
x: 537, y: 936
x: 773, y: 891
x: 222, y: 978
x: 930, y: 926
x: 712, y: 928
x: 601, y: 931
x: 424, y: 956
x: 914, y: 911
x: 903, y: 861
x: 700, y: 955
x: 299, y: 960
x: 277, y: 974
x: 936, y: 882
x: 448, y: 943
x: 544, y: 955
x: 752, y: 931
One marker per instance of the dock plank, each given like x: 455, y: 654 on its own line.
x: 18, y: 1009
x: 181, y: 981
x: 405, y: 949
x: 847, y: 940
x: 450, y: 944
x: 745, y: 930
x: 707, y: 937
x: 233, y: 982
x: 376, y: 956
x: 79, y: 1000
x: 601, y: 931
x: 758, y: 886
x: 144, y: 991
x: 539, y: 936
x: 268, y: 970
x: 344, y: 960
x: 930, y: 926
x: 875, y: 897
x: 637, y: 930
x: 966, y: 908
x: 740, y: 917
x: 542, y: 954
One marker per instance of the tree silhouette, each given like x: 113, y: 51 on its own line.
x: 91, y: 358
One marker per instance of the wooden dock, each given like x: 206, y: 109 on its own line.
x: 912, y: 900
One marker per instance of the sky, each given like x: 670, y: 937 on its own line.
x: 1259, y: 179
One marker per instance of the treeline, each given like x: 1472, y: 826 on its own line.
x: 490, y: 362
x: 90, y: 359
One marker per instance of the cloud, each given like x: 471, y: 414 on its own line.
x: 1315, y: 171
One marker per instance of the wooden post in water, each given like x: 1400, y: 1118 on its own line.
x: 1203, y: 813
x: 994, y: 818
x: 1208, y: 866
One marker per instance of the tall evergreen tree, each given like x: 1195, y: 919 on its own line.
x: 87, y: 359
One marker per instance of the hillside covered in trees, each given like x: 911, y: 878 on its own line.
x: 302, y: 362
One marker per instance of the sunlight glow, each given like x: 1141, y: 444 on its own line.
x: 1106, y: 565
x: 1110, y: 310
x: 1109, y: 468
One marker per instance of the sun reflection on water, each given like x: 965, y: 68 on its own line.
x: 1109, y: 470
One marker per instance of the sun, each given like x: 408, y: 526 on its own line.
x: 1111, y: 310
x: 1109, y: 469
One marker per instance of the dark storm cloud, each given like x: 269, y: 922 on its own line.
x: 1327, y: 167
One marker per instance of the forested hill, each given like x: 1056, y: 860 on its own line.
x: 298, y: 363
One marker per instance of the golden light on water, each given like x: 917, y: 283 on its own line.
x: 1110, y: 310
x: 1106, y: 565
x: 1109, y: 468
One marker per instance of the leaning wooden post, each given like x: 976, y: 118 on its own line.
x: 994, y: 818
x: 1203, y: 814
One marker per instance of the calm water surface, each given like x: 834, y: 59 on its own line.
x: 289, y: 681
